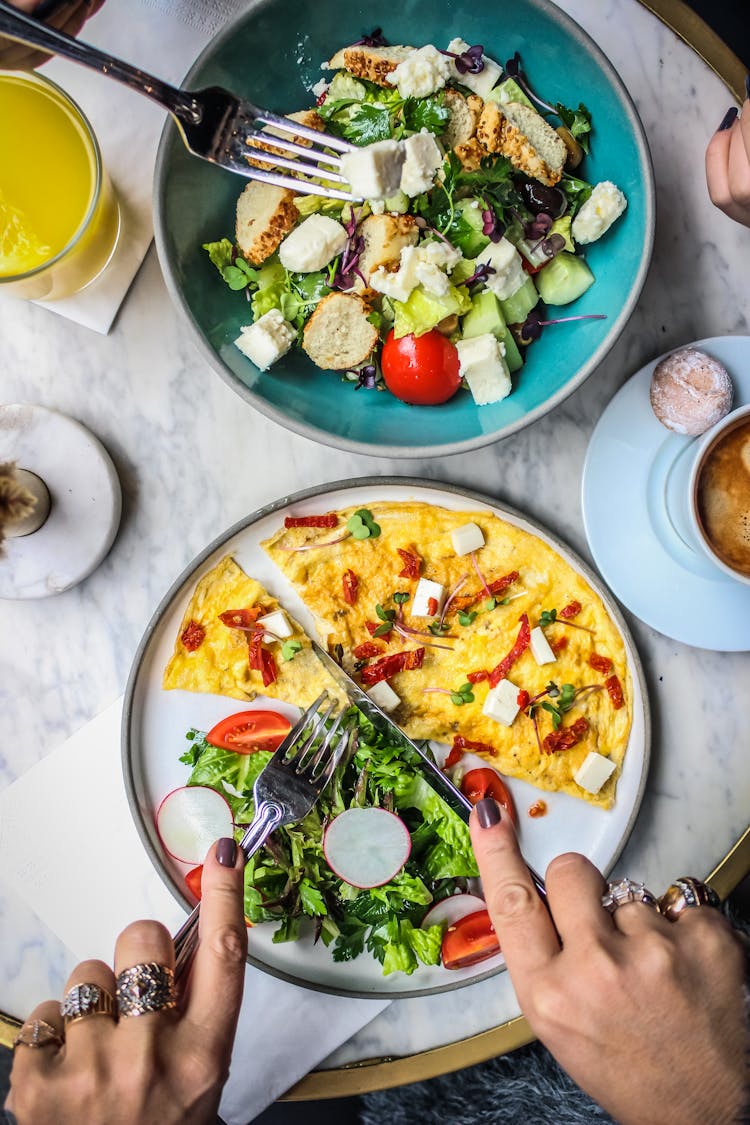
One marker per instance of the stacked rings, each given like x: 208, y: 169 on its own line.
x: 84, y: 1000
x: 685, y: 893
x: 148, y: 987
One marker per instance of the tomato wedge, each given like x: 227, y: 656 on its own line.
x: 248, y: 731
x: 193, y: 880
x: 480, y: 783
x: 469, y: 940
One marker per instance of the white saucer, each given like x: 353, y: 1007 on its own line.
x: 86, y: 502
x: 634, y: 513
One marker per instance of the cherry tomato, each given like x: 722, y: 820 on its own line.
x: 422, y: 370
x: 193, y: 881
x: 469, y: 940
x: 248, y: 731
x: 480, y: 783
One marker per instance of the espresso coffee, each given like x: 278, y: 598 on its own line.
x: 723, y: 498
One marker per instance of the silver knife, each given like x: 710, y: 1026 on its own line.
x: 442, y: 784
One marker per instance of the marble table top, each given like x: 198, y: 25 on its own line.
x: 189, y: 452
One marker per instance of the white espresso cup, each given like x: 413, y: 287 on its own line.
x: 719, y: 494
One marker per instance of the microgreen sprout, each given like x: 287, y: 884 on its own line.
x: 289, y: 649
x: 466, y: 618
x: 470, y: 61
x: 514, y: 69
x: 491, y: 226
x: 374, y: 39
x: 464, y: 694
x: 481, y: 273
x: 362, y: 525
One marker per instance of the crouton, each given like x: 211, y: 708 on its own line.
x: 372, y: 63
x: 309, y: 117
x: 522, y: 134
x: 384, y: 238
x: 338, y: 335
x: 265, y: 214
x: 470, y: 153
x: 464, y: 115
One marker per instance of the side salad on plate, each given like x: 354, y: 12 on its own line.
x: 471, y: 230
x: 381, y: 864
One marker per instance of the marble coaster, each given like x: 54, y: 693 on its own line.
x: 85, y: 509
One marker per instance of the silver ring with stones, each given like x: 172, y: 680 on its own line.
x: 625, y: 891
x: 148, y: 987
x: 84, y: 1000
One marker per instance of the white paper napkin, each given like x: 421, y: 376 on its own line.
x: 69, y: 814
x: 162, y: 37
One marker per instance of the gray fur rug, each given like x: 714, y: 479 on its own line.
x: 526, y: 1087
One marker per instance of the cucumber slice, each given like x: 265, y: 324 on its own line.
x: 517, y: 307
x: 564, y: 279
x: 512, y: 354
x: 484, y: 316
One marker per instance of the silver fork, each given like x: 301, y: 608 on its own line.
x: 215, y: 124
x: 284, y: 792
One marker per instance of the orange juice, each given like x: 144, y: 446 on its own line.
x: 59, y: 220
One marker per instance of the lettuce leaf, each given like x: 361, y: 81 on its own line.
x: 424, y: 310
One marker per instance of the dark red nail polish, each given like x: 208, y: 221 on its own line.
x: 226, y: 851
x: 488, y: 814
x: 728, y: 119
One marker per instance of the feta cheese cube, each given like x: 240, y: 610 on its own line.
x: 480, y: 83
x: 593, y: 772
x: 384, y: 696
x: 267, y: 340
x: 421, y: 162
x: 422, y: 72
x: 426, y: 590
x: 605, y: 204
x: 277, y: 626
x: 482, y: 364
x: 313, y: 244
x: 320, y: 88
x: 501, y: 703
x: 467, y: 538
x: 374, y: 171
x: 540, y: 647
x: 507, y: 263
x: 400, y: 284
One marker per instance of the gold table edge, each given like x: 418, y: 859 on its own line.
x: 379, y: 1074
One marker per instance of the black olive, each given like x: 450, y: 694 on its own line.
x: 538, y: 197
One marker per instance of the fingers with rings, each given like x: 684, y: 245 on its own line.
x: 88, y: 1005
x: 144, y: 966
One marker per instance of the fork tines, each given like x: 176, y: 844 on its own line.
x: 270, y: 148
x: 317, y: 764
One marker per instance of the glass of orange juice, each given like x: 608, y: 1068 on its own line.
x: 59, y: 217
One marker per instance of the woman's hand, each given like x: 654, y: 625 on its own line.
x: 728, y: 165
x: 165, y: 1067
x: 68, y: 16
x: 646, y: 1015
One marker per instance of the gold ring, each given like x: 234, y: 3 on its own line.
x: 684, y: 894
x: 84, y: 1000
x: 148, y: 987
x: 38, y: 1033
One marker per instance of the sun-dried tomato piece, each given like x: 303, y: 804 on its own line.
x: 499, y: 586
x: 523, y: 640
x: 572, y: 609
x: 350, y: 582
x: 523, y: 698
x: 600, y: 663
x: 477, y: 677
x: 328, y: 520
x: 260, y: 659
x: 566, y: 737
x: 432, y: 607
x: 469, y: 744
x: 193, y: 635
x: 454, y: 757
x: 388, y: 666
x: 241, y: 618
x: 614, y: 687
x: 539, y: 808
x: 366, y: 650
x: 558, y: 645
x: 412, y: 563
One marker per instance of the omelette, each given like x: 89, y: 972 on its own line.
x: 504, y: 650
x: 221, y: 648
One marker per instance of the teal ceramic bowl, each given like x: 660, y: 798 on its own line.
x: 272, y: 55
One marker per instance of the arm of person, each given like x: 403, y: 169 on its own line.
x: 164, y: 1067
x: 68, y: 16
x: 728, y: 165
x: 646, y: 1015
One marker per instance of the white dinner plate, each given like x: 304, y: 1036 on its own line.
x: 155, y: 722
x: 633, y: 495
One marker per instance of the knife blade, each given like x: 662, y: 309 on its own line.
x: 442, y: 784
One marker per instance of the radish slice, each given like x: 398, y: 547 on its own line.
x: 450, y: 910
x: 366, y: 847
x: 191, y: 819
